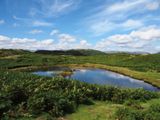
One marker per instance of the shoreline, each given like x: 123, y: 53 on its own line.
x: 143, y: 76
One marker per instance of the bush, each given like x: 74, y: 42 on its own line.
x: 119, y: 96
x: 153, y: 112
x: 53, y: 102
x: 155, y: 107
x: 133, y: 104
x: 151, y: 115
x: 5, y: 105
x: 17, y: 95
x: 142, y: 95
x: 128, y: 114
x: 86, y: 101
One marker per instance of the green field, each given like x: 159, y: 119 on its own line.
x: 27, y: 96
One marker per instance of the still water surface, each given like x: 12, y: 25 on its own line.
x: 102, y: 77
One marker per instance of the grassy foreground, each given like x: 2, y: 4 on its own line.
x: 98, y: 111
x: 107, y: 110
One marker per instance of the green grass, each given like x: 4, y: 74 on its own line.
x: 150, y: 102
x: 98, y: 111
x: 103, y: 110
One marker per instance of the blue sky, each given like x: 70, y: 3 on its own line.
x: 108, y: 25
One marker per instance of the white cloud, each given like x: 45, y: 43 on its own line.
x: 54, y: 32
x: 158, y: 48
x: 36, y: 31
x: 146, y: 39
x: 120, y: 39
x: 100, y: 27
x: 133, y: 6
x: 63, y: 37
x: 2, y: 38
x: 146, y: 33
x: 125, y: 5
x: 140, y: 40
x: 2, y: 22
x: 138, y: 44
x: 47, y: 44
x: 25, y: 43
x: 32, y: 22
x: 66, y: 38
x: 54, y: 8
x: 83, y: 44
x: 130, y: 23
x: 153, y: 6
x: 120, y: 15
x: 41, y: 23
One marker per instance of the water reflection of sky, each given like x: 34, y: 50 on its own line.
x: 102, y: 77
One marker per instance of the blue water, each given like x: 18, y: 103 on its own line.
x: 102, y: 77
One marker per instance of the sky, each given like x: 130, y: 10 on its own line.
x: 106, y: 25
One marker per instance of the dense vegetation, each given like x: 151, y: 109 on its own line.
x: 138, y: 113
x: 27, y: 96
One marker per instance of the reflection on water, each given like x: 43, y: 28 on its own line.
x: 102, y: 77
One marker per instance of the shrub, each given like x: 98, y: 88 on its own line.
x: 17, y: 94
x: 5, y: 105
x: 151, y: 115
x: 86, y: 101
x: 53, y: 102
x: 142, y: 95
x: 128, y: 114
x: 119, y: 96
x: 155, y: 107
x: 133, y: 103
x: 153, y: 112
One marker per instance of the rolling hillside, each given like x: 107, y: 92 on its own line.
x: 75, y: 52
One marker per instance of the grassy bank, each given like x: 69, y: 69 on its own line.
x: 149, y: 77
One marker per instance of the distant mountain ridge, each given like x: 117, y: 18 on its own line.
x: 112, y: 52
x: 75, y: 52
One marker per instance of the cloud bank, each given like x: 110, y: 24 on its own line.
x: 145, y: 39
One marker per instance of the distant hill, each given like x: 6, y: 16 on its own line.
x: 75, y: 52
x: 124, y: 52
x: 10, y: 52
